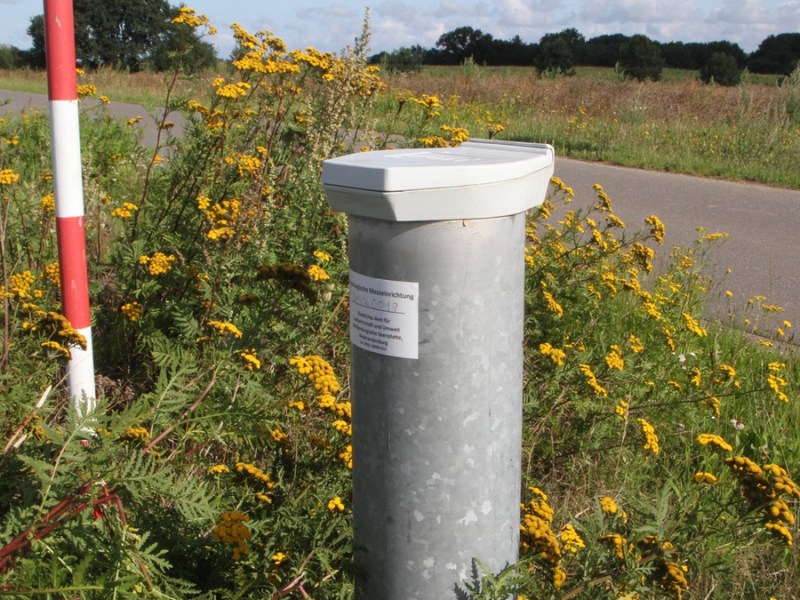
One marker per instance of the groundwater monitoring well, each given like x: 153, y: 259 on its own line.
x: 436, y: 247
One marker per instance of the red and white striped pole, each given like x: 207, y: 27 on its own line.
x: 62, y: 85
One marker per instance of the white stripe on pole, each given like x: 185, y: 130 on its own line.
x: 66, y: 142
x: 68, y: 189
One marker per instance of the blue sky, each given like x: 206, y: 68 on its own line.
x: 331, y: 25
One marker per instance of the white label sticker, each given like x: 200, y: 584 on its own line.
x: 384, y: 315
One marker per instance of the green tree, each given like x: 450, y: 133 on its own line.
x: 463, y: 43
x: 776, y: 54
x: 10, y: 57
x: 554, y: 55
x: 405, y: 60
x: 181, y: 48
x: 640, y: 58
x: 35, y: 57
x: 121, y: 34
x: 560, y: 52
x: 721, y: 68
x: 603, y: 50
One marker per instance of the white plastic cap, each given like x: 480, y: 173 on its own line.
x: 477, y: 180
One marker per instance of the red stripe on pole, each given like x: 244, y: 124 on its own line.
x: 62, y: 81
x: 74, y: 277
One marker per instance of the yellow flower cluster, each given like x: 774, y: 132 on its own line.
x: 158, y: 263
x: 552, y: 305
x: 248, y: 164
x: 673, y: 578
x: 693, y: 326
x: 19, y: 285
x: 326, y: 386
x: 431, y: 104
x: 54, y: 324
x: 232, y: 91
x: 132, y: 310
x: 53, y: 345
x: 136, y: 433
x: 234, y: 532
x: 776, y: 381
x: 621, y: 409
x: 614, y: 358
x: 260, y: 476
x: 251, y: 361
x: 225, y: 328
x: 346, y: 456
x: 556, y: 355
x: 265, y: 53
x: 433, y: 141
x: 704, y: 477
x: 52, y: 273
x: 86, y: 89
x: 278, y: 436
x: 536, y: 534
x: 188, y: 16
x: 218, y: 470
x: 317, y: 273
x: 8, y: 177
x: 570, y: 540
x: 608, y: 505
x: 635, y: 344
x: 48, y: 203
x: 456, y: 135
x: 657, y: 229
x: 221, y: 216
x: 712, y: 439
x: 642, y: 256
x: 765, y: 487
x: 650, y: 437
x: 125, y: 211
x: 319, y: 372
x: 618, y: 543
x: 313, y: 58
x: 335, y: 504
x: 591, y: 380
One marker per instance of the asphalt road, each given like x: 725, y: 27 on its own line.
x: 19, y: 101
x: 762, y: 252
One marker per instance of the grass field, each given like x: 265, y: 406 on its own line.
x: 750, y: 132
x: 745, y: 133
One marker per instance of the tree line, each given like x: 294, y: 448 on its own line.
x: 129, y: 36
x: 133, y: 36
x: 637, y: 56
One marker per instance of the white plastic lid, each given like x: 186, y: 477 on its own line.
x: 478, y: 179
x: 474, y: 162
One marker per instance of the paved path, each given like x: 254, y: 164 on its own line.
x: 17, y: 101
x: 763, y: 250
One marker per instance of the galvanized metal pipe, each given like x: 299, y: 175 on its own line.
x: 436, y: 466
x: 436, y: 323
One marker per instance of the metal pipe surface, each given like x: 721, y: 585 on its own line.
x: 437, y: 438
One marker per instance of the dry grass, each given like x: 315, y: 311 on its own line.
x: 664, y: 101
x: 747, y: 133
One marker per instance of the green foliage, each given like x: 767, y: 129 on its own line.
x: 776, y: 54
x: 722, y: 69
x: 128, y: 36
x: 403, y: 60
x: 555, y: 56
x: 640, y: 58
